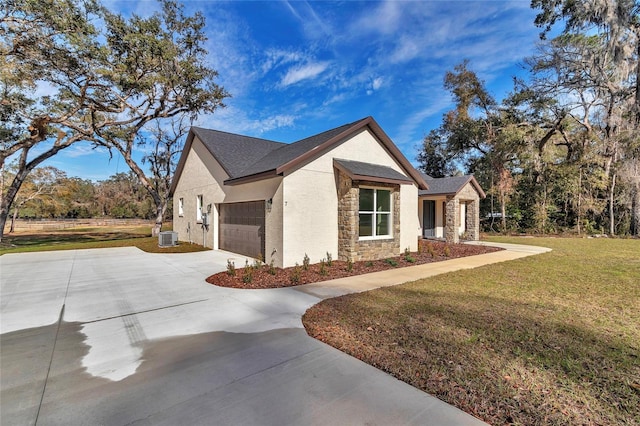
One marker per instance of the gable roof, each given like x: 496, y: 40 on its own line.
x: 449, y: 185
x: 246, y: 159
x: 358, y: 170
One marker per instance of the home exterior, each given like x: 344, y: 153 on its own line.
x: 450, y: 208
x: 348, y: 192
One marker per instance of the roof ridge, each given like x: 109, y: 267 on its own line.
x: 237, y: 134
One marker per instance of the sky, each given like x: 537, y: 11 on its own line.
x: 298, y: 68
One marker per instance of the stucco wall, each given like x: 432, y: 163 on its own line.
x: 310, y: 201
x: 203, y: 175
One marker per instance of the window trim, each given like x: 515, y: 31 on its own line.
x: 374, y: 213
x: 199, y: 207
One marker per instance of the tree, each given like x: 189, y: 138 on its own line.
x: 434, y: 159
x: 477, y: 127
x: 166, y: 148
x: 106, y: 84
x: 617, y: 20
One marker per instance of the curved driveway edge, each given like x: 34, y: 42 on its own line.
x: 119, y: 336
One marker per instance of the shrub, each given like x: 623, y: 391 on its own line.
x: 349, y: 265
x: 431, y: 250
x: 408, y: 257
x: 305, y: 262
x: 272, y: 269
x: 447, y: 251
x: 329, y: 259
x: 294, y: 275
x: 323, y: 268
x: 258, y: 262
x: 231, y: 268
x: 247, y: 274
x: 369, y: 264
x: 391, y: 262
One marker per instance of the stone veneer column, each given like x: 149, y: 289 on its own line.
x: 453, y: 220
x: 347, y: 218
x: 472, y: 219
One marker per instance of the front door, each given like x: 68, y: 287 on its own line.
x: 428, y: 218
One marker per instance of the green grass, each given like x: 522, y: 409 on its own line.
x: 548, y: 339
x: 86, y: 238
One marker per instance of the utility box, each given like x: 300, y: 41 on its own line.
x: 168, y: 239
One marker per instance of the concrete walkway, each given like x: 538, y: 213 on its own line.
x: 119, y: 336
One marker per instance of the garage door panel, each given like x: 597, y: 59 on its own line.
x: 242, y: 228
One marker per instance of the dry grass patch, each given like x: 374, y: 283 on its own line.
x: 90, y: 237
x: 549, y: 339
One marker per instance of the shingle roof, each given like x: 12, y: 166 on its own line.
x: 359, y: 170
x: 448, y: 185
x: 289, y: 152
x: 235, y: 152
x: 247, y: 159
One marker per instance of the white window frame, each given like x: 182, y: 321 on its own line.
x: 199, y: 205
x: 180, y: 206
x: 374, y: 213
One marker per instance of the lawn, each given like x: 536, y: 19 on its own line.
x: 548, y: 339
x: 94, y: 237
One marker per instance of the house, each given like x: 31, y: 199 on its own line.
x: 348, y: 192
x: 450, y: 208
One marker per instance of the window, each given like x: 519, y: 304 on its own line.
x: 199, y: 208
x: 375, y: 213
x: 181, y: 207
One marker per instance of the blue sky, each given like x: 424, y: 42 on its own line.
x: 297, y: 68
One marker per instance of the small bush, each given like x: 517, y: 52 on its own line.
x: 447, y: 251
x: 407, y: 252
x: 305, y: 262
x: 323, y: 268
x: 294, y: 275
x: 247, y: 274
x: 258, y: 262
x: 349, y: 265
x: 329, y: 259
x: 410, y: 259
x: 272, y: 269
x: 231, y: 268
x: 391, y: 262
x: 369, y: 264
x: 431, y: 250
x: 419, y: 247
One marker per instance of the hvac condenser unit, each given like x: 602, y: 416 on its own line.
x: 167, y: 239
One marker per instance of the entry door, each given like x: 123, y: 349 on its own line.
x: 428, y: 218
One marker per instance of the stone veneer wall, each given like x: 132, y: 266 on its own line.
x: 349, y: 245
x: 452, y: 224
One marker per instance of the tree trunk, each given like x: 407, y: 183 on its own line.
x: 503, y: 211
x: 612, y: 219
x: 13, y: 220
x: 7, y: 200
x: 635, y: 210
x: 160, y: 211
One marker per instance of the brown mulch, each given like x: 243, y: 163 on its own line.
x: 262, y: 276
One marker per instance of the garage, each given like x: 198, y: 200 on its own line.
x: 242, y: 228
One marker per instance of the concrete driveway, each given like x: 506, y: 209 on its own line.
x: 119, y: 336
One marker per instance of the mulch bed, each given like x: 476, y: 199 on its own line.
x: 262, y: 276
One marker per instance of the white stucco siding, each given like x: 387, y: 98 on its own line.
x: 310, y: 216
x: 199, y: 177
x: 203, y: 175
x: 409, y: 220
x: 310, y: 204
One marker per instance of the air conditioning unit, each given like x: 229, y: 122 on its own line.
x: 167, y: 239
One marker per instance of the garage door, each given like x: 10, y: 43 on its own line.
x: 242, y: 228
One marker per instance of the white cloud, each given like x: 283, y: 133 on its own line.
x: 384, y: 19
x: 303, y: 72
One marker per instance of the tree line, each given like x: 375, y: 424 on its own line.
x: 48, y: 193
x: 562, y: 151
